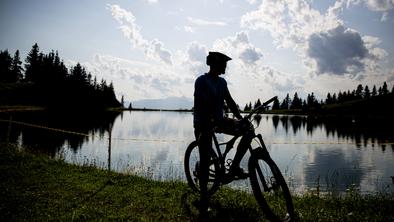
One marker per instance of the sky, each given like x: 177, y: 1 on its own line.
x: 155, y: 49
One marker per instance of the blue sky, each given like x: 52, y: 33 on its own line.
x: 152, y: 49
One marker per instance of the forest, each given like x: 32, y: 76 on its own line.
x: 44, y: 80
x: 362, y: 100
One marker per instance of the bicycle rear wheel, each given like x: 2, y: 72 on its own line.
x: 270, y: 188
x: 192, y: 170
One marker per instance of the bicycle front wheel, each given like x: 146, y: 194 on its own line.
x: 270, y: 188
x: 192, y: 170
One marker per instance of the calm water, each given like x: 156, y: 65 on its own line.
x: 334, y: 153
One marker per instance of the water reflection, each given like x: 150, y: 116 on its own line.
x: 360, y: 131
x: 334, y: 153
x: 39, y: 133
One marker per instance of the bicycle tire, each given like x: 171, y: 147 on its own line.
x: 270, y: 188
x: 191, y: 162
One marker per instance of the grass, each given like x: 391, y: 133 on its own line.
x: 36, y: 188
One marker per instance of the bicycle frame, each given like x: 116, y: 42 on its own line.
x: 230, y: 144
x: 220, y: 156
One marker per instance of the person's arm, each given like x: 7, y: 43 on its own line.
x: 231, y: 104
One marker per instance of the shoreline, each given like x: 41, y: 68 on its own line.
x: 28, y: 108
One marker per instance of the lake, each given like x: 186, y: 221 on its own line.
x: 333, y: 153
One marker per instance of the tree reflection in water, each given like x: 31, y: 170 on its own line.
x: 361, y: 131
x: 43, y: 140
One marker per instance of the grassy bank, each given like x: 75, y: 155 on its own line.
x: 35, y: 188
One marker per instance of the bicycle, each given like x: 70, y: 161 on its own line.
x: 268, y: 185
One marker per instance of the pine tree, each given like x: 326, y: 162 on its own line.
x: 352, y: 95
x: 340, y: 97
x: 328, y: 99
x: 16, y: 67
x: 367, y: 93
x: 311, y: 100
x: 32, y: 64
x: 385, y: 91
x: 334, y: 98
x: 374, y: 92
x: 275, y: 105
x: 286, y: 102
x: 296, y: 103
x: 5, y: 66
x: 79, y: 76
x: 304, y: 105
x: 359, y: 92
x: 246, y: 107
x: 60, y: 69
x: 257, y: 104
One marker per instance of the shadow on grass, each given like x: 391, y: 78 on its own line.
x: 222, y: 207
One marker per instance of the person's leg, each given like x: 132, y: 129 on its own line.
x: 242, y: 147
x: 204, y: 139
x: 235, y: 127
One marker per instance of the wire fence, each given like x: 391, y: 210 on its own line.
x: 177, y: 140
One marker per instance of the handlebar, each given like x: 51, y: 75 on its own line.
x: 260, y: 108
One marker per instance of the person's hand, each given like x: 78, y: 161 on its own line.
x: 245, y: 124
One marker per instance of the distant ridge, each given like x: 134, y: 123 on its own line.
x: 166, y: 103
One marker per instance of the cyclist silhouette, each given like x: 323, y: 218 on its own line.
x: 210, y: 94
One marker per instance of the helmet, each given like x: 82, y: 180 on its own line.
x: 216, y: 57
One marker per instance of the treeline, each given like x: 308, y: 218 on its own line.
x: 362, y: 96
x: 45, y: 80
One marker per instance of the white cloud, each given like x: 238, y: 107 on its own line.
x: 380, y: 5
x: 289, y: 22
x: 240, y: 46
x: 188, y: 29
x: 251, y: 1
x: 384, y: 6
x: 385, y: 17
x: 195, y: 58
x: 250, y: 55
x: 203, y: 22
x: 139, y: 80
x: 337, y: 51
x: 153, y: 49
x: 197, y: 52
x: 318, y: 38
x: 151, y: 1
x: 287, y: 86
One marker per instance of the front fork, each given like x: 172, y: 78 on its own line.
x: 260, y: 151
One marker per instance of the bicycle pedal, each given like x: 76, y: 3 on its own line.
x: 241, y: 177
x: 239, y: 174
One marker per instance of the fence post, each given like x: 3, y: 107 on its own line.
x: 9, y: 131
x: 109, y: 146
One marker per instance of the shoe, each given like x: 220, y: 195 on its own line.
x: 238, y: 173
